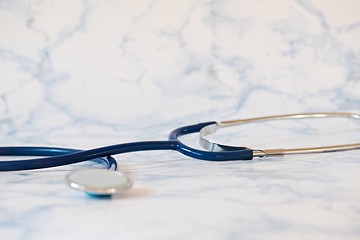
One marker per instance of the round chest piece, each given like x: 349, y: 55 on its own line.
x: 98, y: 182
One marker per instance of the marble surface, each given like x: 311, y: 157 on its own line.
x: 85, y: 74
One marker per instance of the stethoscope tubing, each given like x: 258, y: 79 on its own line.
x: 214, y: 151
x: 63, y: 156
x: 16, y: 165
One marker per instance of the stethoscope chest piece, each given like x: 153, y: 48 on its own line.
x: 98, y: 182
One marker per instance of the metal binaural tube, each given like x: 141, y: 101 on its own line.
x: 213, y: 146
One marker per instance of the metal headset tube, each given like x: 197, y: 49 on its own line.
x: 214, y: 147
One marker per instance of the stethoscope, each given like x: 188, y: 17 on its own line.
x: 100, y: 182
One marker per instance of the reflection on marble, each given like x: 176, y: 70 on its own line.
x: 89, y: 73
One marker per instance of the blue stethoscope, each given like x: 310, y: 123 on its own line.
x: 103, y: 182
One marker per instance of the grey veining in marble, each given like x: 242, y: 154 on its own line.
x: 85, y: 74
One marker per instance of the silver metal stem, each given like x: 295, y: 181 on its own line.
x: 213, y: 146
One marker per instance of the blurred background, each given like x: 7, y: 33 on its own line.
x: 121, y: 63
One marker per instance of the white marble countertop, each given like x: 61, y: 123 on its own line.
x: 86, y: 74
